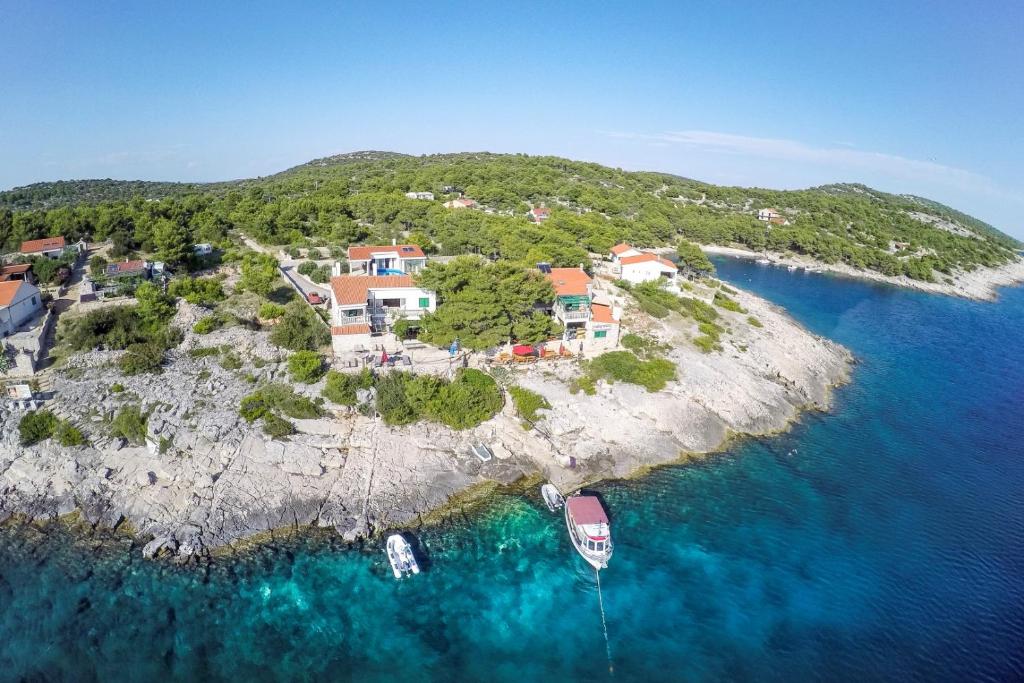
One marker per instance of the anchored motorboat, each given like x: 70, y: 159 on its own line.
x: 552, y: 497
x: 589, y: 530
x: 403, y: 562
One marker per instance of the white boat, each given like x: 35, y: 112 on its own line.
x: 552, y: 496
x: 763, y: 261
x: 403, y: 562
x: 791, y: 268
x: 589, y: 530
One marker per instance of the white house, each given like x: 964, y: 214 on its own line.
x: 644, y: 267
x: 364, y: 308
x: 539, y: 214
x: 429, y: 196
x: 621, y: 250
x: 20, y: 301
x: 767, y: 214
x: 398, y: 259
x: 50, y: 247
x: 460, y: 204
x: 588, y: 321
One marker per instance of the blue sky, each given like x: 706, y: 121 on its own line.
x: 922, y: 97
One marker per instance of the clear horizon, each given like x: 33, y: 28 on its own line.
x: 906, y: 100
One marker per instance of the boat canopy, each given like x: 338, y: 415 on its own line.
x: 586, y: 510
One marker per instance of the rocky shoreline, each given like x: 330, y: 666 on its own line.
x: 208, y: 480
x: 982, y: 284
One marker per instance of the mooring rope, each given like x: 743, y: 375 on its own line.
x: 604, y: 624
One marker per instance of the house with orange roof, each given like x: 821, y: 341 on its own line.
x: 50, y: 247
x: 645, y: 266
x: 539, y: 214
x: 17, y: 271
x: 364, y: 308
x: 20, y: 301
x: 623, y: 250
x: 461, y: 203
x: 397, y: 259
x: 592, y: 323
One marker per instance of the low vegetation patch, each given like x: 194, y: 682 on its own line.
x: 341, y: 387
x: 754, y: 322
x: 723, y: 300
x: 130, y: 423
x: 306, y: 366
x: 528, y: 403
x: 625, y: 366
x: 278, y: 398
x: 271, y: 311
x: 644, y: 346
x: 36, y: 426
x: 203, y: 291
x: 142, y: 358
x: 300, y: 329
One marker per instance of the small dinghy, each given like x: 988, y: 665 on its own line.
x: 551, y: 496
x: 403, y: 562
x: 589, y: 530
x: 763, y: 261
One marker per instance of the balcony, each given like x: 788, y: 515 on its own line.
x: 571, y: 315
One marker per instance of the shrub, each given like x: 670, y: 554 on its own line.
x: 68, y: 435
x: 270, y: 311
x: 723, y: 301
x: 300, y: 329
x: 203, y: 351
x: 623, y: 366
x: 204, y: 291
x: 644, y: 347
x: 36, y: 426
x: 208, y: 324
x: 230, y: 361
x: 392, y: 403
x: 116, y: 388
x: 274, y: 398
x: 142, y: 358
x: 277, y: 427
x: 341, y: 387
x: 527, y: 403
x: 130, y: 423
x: 306, y: 366
x: 97, y: 266
x: 754, y: 322
x: 471, y: 398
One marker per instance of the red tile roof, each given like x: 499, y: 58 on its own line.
x: 363, y: 252
x: 358, y: 328
x: 540, y: 211
x: 647, y: 256
x: 569, y: 281
x: 586, y: 510
x: 119, y: 267
x: 620, y: 248
x: 45, y: 244
x: 354, y: 289
x: 7, y: 271
x: 600, y: 313
x: 9, y: 290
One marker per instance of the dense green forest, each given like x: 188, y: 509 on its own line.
x: 360, y: 197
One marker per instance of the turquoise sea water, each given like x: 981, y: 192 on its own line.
x: 883, y: 541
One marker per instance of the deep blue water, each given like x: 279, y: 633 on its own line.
x: 882, y: 541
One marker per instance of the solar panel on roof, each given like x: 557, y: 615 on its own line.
x: 544, y: 267
x: 408, y: 249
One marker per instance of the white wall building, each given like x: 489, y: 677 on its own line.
x: 623, y: 250
x: 429, y: 196
x: 403, y: 259
x: 645, y: 267
x: 364, y: 308
x: 19, y: 303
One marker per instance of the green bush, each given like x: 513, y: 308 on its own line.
x: 623, y: 366
x: 204, y: 291
x: 203, y: 351
x: 392, y: 404
x: 270, y: 311
x: 68, y: 435
x: 231, y: 361
x: 116, y: 388
x: 723, y: 301
x: 210, y: 323
x: 754, y: 322
x: 471, y: 398
x: 300, y: 329
x: 277, y: 427
x: 36, y: 426
x: 527, y: 403
x: 306, y: 366
x: 142, y: 358
x: 341, y: 387
x: 277, y: 398
x: 643, y: 346
x: 130, y: 423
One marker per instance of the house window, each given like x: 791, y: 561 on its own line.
x: 33, y: 301
x: 600, y: 334
x: 424, y: 302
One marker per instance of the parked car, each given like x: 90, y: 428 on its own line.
x: 314, y: 298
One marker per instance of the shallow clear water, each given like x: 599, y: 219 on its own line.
x: 882, y: 541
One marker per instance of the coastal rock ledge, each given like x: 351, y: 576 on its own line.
x: 208, y: 479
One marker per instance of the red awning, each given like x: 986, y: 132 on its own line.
x: 586, y: 510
